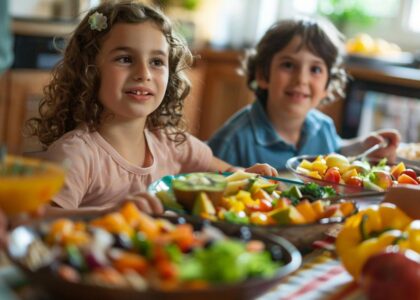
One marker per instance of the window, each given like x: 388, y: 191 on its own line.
x: 414, y: 16
x: 397, y: 21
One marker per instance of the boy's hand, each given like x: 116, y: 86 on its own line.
x: 146, y: 203
x: 262, y: 169
x: 392, y: 136
x: 406, y: 197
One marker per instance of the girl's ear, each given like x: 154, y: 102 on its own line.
x: 260, y: 79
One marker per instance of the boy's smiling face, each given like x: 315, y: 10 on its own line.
x: 297, y: 82
x: 134, y: 71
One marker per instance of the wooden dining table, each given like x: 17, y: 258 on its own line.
x: 321, y: 275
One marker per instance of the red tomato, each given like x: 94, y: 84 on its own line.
x: 265, y: 205
x: 355, y: 181
x: 405, y: 179
x: 332, y: 175
x: 410, y: 172
x: 262, y: 205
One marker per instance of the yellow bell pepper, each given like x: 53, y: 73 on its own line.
x: 371, y: 230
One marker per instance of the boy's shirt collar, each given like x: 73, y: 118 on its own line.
x: 266, y: 135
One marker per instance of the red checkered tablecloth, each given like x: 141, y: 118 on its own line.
x: 321, y: 277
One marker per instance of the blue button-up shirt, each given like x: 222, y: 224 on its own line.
x: 248, y: 137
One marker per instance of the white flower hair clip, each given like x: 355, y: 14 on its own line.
x: 97, y: 21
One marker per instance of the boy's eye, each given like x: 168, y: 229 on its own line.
x: 316, y: 69
x: 287, y: 64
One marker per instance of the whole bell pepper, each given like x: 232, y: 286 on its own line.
x: 371, y: 230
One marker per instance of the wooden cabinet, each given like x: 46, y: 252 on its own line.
x: 3, y: 106
x: 217, y: 92
x: 23, y: 96
x: 223, y: 90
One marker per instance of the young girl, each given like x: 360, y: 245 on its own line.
x: 295, y: 66
x: 114, y: 109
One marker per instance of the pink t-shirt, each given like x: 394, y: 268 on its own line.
x: 99, y: 177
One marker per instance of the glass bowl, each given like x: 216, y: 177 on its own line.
x: 409, y: 154
x: 293, y: 163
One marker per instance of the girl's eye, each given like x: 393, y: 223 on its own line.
x: 124, y: 59
x: 157, y: 62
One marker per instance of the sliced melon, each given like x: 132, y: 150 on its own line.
x: 240, y: 175
x: 262, y: 183
x: 233, y: 187
x: 169, y: 201
x: 187, y: 188
x: 203, y: 205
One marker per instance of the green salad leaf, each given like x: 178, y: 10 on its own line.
x: 310, y: 191
x: 227, y: 261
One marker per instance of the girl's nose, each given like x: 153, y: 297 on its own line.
x: 142, y: 73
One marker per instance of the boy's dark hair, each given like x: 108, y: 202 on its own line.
x: 319, y: 36
x: 71, y: 98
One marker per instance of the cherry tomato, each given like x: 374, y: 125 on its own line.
x: 332, y: 175
x: 262, y: 205
x: 410, y: 172
x: 355, y: 181
x: 265, y: 205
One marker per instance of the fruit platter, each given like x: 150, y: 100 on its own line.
x: 127, y: 254
x: 291, y: 209
x: 348, y: 176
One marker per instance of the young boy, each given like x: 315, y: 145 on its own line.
x: 295, y: 67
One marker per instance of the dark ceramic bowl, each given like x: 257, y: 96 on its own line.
x: 58, y: 288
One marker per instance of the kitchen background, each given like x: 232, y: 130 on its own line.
x: 384, y: 61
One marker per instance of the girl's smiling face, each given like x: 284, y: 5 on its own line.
x: 133, y: 63
x: 297, y: 81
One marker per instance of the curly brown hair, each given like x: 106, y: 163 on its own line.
x: 318, y: 35
x: 71, y: 97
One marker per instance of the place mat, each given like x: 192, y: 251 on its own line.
x: 321, y: 276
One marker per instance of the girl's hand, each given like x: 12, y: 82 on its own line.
x: 262, y: 169
x: 392, y: 136
x: 147, y: 203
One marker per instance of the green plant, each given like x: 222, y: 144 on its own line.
x: 186, y: 4
x: 344, y: 12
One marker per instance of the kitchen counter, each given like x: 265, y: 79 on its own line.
x: 41, y: 27
x: 395, y: 76
x: 392, y: 75
x: 390, y: 80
